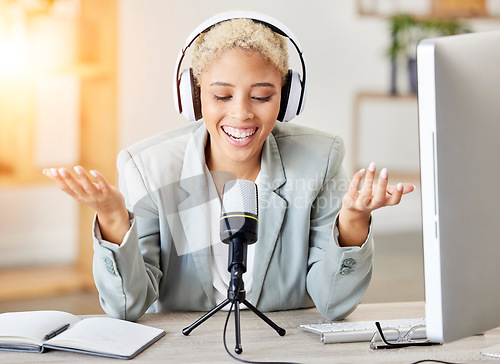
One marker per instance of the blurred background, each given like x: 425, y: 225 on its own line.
x: 82, y: 79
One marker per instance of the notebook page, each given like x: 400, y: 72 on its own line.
x: 32, y: 326
x: 106, y: 335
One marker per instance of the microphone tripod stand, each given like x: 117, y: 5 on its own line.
x: 236, y: 294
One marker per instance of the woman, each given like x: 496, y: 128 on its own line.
x: 157, y: 241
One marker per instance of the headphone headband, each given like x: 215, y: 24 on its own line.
x: 267, y: 20
x: 271, y: 22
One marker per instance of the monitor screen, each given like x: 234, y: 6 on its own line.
x: 459, y: 138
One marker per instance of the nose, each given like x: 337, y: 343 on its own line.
x: 241, y: 109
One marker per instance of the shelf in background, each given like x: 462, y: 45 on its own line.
x: 427, y: 9
x: 385, y: 130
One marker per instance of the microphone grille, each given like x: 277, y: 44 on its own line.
x: 239, y: 195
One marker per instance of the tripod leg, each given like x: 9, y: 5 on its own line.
x: 279, y: 330
x: 238, y: 349
x: 205, y: 317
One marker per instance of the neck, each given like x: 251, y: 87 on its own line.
x: 248, y: 169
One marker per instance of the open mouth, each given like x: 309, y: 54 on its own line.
x: 238, y: 134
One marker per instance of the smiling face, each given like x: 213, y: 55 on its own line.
x: 240, y: 98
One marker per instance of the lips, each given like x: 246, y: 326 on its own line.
x: 238, y: 134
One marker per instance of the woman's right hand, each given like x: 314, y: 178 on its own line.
x: 103, y: 197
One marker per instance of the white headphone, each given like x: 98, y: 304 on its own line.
x: 187, y: 93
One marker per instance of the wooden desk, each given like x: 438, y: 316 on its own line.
x: 261, y: 343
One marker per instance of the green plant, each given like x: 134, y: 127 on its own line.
x: 407, y: 31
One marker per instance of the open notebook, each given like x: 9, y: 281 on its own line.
x: 38, y: 331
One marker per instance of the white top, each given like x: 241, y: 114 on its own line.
x: 219, y: 251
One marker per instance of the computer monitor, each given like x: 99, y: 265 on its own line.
x: 459, y: 137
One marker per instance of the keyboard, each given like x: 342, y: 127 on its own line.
x: 356, y: 331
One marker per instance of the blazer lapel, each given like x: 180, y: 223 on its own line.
x: 272, y: 208
x: 194, y: 211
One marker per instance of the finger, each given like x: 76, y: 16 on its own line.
x: 101, y: 180
x: 395, y: 193
x: 407, y: 188
x: 369, y: 178
x: 87, y: 184
x: 71, y: 181
x: 379, y: 197
x: 53, y: 174
x: 351, y: 195
x: 355, y: 182
x: 365, y: 193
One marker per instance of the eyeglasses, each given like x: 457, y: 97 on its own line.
x: 395, y: 339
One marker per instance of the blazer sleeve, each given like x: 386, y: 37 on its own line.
x: 337, y: 277
x: 127, y: 276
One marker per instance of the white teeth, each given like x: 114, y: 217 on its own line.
x: 237, y: 134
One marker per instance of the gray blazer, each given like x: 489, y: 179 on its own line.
x: 164, y: 259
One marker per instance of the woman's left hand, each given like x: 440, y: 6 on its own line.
x: 358, y: 204
x: 371, y: 197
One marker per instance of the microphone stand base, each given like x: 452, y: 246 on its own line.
x: 238, y: 349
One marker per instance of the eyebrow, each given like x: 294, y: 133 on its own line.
x: 259, y: 84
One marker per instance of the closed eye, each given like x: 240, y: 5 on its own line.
x: 226, y: 98
x: 262, y: 99
x: 222, y: 98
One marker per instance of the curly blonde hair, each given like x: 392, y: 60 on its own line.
x: 240, y: 33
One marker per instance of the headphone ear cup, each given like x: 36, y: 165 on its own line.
x: 285, y: 92
x: 196, y: 94
x: 290, y: 96
x: 189, y: 96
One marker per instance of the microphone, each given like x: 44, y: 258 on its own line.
x: 238, y: 226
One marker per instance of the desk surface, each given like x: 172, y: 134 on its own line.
x: 261, y: 343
